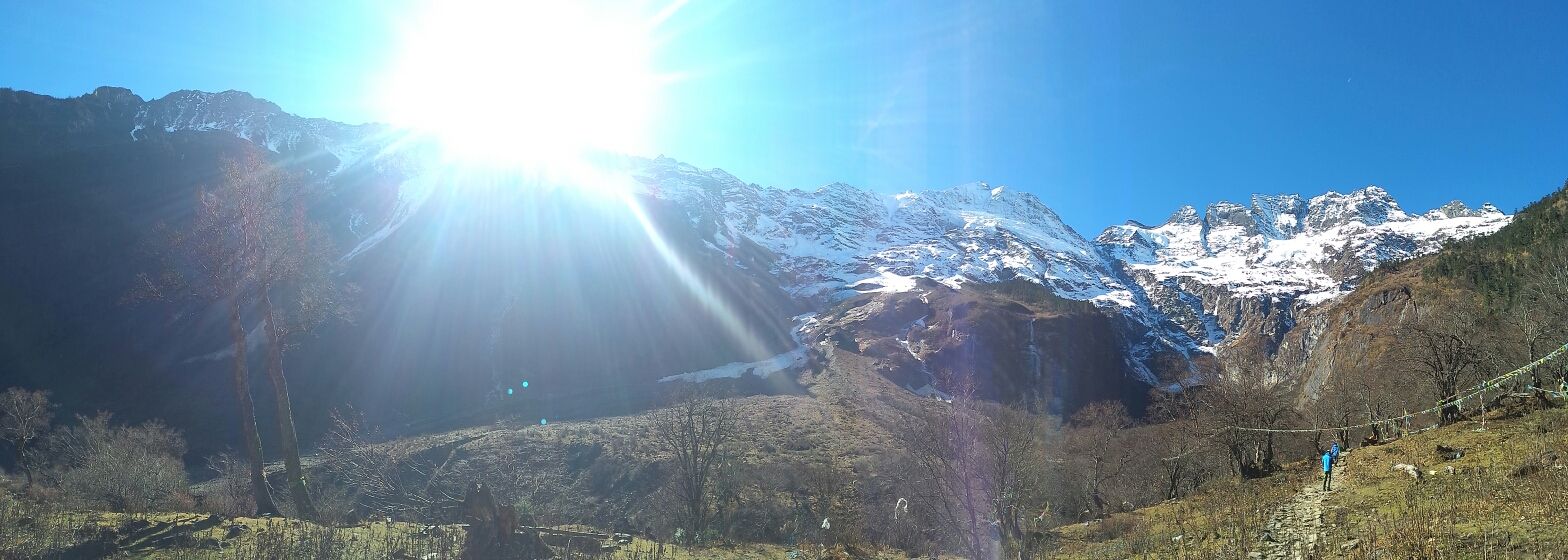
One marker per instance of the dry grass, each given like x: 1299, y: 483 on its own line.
x: 1487, y: 506
x: 181, y: 536
x: 1222, y: 521
x: 1472, y: 507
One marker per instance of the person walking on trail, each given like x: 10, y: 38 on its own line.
x: 1335, y: 452
x: 1328, y: 471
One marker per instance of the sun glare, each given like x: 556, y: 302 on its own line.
x: 524, y: 82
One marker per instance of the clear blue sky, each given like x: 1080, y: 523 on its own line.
x: 1106, y: 111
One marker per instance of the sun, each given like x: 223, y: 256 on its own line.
x: 525, y: 81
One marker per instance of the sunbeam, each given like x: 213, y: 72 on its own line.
x: 558, y: 78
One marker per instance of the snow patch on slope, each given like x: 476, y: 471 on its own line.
x: 762, y: 368
x: 837, y: 238
x: 1283, y: 247
x: 411, y: 195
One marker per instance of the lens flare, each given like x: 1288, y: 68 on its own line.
x: 524, y: 82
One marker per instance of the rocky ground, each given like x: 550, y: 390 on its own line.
x: 1292, y: 532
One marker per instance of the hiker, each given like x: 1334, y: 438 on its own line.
x: 1328, y: 471
x: 1335, y: 452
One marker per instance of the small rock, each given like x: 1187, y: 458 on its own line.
x: 1350, y: 544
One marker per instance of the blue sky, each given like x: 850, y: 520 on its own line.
x: 1107, y: 111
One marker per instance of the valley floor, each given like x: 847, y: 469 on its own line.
x: 1504, y: 495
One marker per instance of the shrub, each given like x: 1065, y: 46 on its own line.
x: 123, y: 468
x: 1117, y: 526
x: 230, y: 495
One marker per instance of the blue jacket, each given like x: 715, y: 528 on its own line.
x: 1335, y: 451
x: 1328, y: 459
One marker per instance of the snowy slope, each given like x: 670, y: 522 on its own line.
x: 838, y: 240
x: 261, y: 122
x: 265, y: 124
x: 1282, y: 247
x: 1193, y: 281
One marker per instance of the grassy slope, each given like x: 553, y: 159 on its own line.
x: 1479, y: 509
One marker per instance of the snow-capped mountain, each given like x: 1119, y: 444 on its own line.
x: 839, y: 240
x: 265, y: 124
x: 464, y: 289
x: 258, y: 120
x: 1213, y: 276
x: 1194, y: 282
x: 1282, y: 251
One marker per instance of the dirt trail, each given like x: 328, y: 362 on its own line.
x: 1293, y: 531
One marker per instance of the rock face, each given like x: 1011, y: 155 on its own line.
x: 1353, y: 331
x: 1011, y: 341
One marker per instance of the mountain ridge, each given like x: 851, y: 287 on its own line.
x: 1172, y: 292
x: 1174, y: 283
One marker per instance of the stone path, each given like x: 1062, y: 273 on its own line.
x: 1292, y: 532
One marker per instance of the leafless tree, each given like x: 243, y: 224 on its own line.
x: 206, y: 261
x: 1356, y: 392
x: 952, y: 475
x: 287, y: 262
x: 122, y: 468
x: 696, y: 432
x: 1016, y: 443
x: 1247, y: 397
x: 24, y: 418
x: 388, y: 478
x: 1098, y: 452
x: 1444, y: 347
x: 1535, y: 316
x: 1177, y: 435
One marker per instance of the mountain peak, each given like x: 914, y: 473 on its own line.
x: 1186, y: 215
x: 1279, y: 216
x: 110, y: 94
x: 1457, y: 209
x: 975, y: 191
x: 1370, y: 206
x: 1229, y: 214
x: 228, y: 101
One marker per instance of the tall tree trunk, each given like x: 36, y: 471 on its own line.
x: 286, y: 436
x: 258, y: 476
x: 21, y: 461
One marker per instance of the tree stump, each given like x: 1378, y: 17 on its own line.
x: 492, y: 532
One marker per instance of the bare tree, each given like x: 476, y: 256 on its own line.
x: 1354, y: 392
x: 1097, y: 450
x: 206, y: 261
x: 696, y: 432
x: 122, y: 468
x: 388, y: 478
x: 952, y: 472
x: 1444, y: 347
x: 1535, y: 315
x: 1015, y: 440
x: 287, y: 261
x: 1177, y: 433
x: 24, y: 418
x: 1247, y: 397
